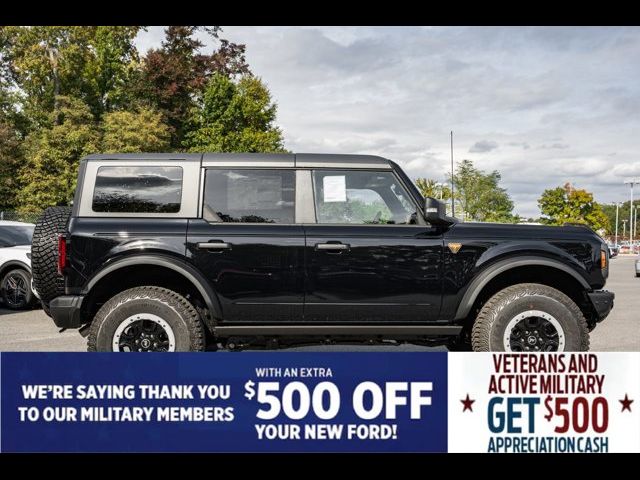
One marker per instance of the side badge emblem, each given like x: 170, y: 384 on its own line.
x: 454, y: 247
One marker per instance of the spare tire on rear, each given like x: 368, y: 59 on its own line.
x: 44, y: 254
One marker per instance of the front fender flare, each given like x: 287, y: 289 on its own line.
x: 488, y: 274
x: 180, y: 267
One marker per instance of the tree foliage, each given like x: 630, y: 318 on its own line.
x: 480, y: 195
x: 10, y: 162
x: 66, y: 91
x: 355, y: 211
x: 52, y: 156
x: 235, y: 117
x: 111, y: 66
x: 132, y: 132
x: 568, y: 204
x: 173, y: 77
x: 623, y: 215
x: 47, y: 62
x: 430, y: 188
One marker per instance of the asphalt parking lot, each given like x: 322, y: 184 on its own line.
x: 33, y: 331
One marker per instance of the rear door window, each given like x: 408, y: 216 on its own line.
x: 249, y: 196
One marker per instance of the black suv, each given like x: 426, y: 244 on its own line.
x: 173, y: 252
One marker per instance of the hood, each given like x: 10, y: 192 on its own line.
x: 519, y: 231
x: 19, y: 252
x: 26, y: 248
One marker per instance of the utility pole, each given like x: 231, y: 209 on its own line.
x: 453, y: 202
x: 635, y: 222
x: 631, y: 184
x: 617, y: 207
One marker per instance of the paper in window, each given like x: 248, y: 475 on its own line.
x: 334, y: 188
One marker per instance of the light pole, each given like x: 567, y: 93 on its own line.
x: 624, y: 227
x: 631, y: 184
x: 453, y: 202
x: 617, y: 207
x: 635, y: 222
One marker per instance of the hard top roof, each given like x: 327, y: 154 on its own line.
x: 282, y: 159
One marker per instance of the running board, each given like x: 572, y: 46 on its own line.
x: 356, y: 330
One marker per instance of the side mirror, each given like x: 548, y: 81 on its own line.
x: 435, y: 212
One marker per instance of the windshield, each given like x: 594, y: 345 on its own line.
x: 13, y: 235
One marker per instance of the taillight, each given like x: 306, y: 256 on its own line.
x: 62, y: 253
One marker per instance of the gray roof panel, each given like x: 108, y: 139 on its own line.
x: 321, y: 160
x: 277, y: 160
x: 143, y: 156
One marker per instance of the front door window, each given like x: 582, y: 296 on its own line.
x: 361, y: 197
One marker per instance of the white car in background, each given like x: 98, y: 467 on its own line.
x: 15, y: 265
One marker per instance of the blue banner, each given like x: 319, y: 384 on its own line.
x: 224, y: 402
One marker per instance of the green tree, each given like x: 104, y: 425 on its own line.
x: 356, y: 211
x: 47, y: 62
x: 132, y: 132
x: 111, y: 66
x: 52, y: 156
x: 10, y: 161
x: 568, y: 204
x: 235, y: 117
x: 623, y: 214
x: 480, y: 195
x: 69, y: 90
x: 430, y: 188
x: 172, y: 78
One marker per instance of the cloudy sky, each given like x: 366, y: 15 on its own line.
x: 541, y: 105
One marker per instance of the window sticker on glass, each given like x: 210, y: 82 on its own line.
x: 334, y: 189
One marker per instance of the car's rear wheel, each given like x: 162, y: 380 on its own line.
x: 530, y: 317
x: 16, y: 289
x: 146, y: 319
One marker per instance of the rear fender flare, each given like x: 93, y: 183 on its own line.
x: 187, y: 271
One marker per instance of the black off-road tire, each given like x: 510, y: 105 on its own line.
x: 492, y: 321
x: 173, y: 308
x: 44, y: 254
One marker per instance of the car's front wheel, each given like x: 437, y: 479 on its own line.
x: 530, y: 317
x: 146, y: 319
x: 16, y: 289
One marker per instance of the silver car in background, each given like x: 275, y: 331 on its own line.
x: 638, y: 266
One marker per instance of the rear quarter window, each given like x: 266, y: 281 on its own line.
x: 145, y: 189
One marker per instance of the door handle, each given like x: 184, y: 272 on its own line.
x: 214, y: 246
x: 332, y: 247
